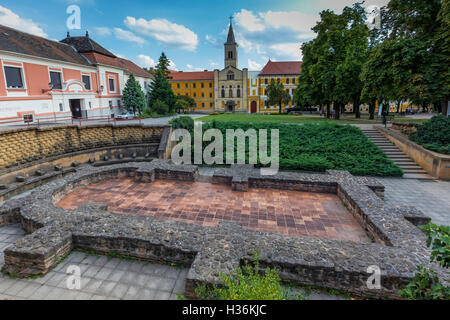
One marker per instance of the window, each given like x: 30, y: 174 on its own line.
x: 230, y: 75
x: 178, y: 85
x: 187, y: 86
x: 193, y: 85
x: 118, y: 103
x: 230, y: 93
x: 210, y: 95
x: 203, y: 95
x: 223, y: 93
x: 203, y: 104
x: 287, y: 81
x: 112, y: 85
x: 55, y: 80
x: 211, y: 104
x: 90, y: 105
x: 110, y: 105
x: 87, y: 82
x: 61, y: 107
x: 210, y: 84
x: 239, y: 92
x: 195, y: 95
x: 266, y: 81
x: 203, y: 85
x: 230, y: 54
x: 293, y: 81
x: 13, y: 78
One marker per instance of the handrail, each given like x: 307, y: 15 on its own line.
x: 55, y: 120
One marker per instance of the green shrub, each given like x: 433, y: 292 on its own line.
x: 246, y: 283
x: 439, y: 241
x: 183, y: 123
x: 426, y: 285
x: 434, y: 134
x: 160, y: 107
x: 319, y: 147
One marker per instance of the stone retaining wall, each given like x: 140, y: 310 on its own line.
x: 20, y: 146
x: 208, y: 251
x: 436, y: 164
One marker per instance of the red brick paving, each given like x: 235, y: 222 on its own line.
x: 291, y: 213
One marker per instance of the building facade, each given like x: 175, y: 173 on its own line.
x: 232, y: 89
x: 50, y: 80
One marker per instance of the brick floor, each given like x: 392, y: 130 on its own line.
x: 285, y: 212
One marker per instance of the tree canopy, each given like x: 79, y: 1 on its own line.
x: 133, y: 96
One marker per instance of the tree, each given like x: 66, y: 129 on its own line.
x: 277, y: 95
x: 411, y: 52
x: 189, y: 100
x: 133, y: 96
x: 160, y: 89
x: 181, y: 105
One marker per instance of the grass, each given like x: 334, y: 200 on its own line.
x: 317, y: 147
x: 285, y: 118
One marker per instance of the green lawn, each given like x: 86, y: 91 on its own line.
x: 284, y: 118
x: 318, y: 147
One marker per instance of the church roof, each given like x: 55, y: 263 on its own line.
x: 230, y: 38
x: 282, y: 68
x: 188, y: 76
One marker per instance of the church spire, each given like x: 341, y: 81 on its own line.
x: 231, y: 39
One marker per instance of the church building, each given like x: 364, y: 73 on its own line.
x: 235, y: 90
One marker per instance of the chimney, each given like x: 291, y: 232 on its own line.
x: 87, y: 34
x: 68, y: 34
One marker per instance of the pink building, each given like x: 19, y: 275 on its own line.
x: 76, y: 77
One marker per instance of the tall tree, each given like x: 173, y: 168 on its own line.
x: 133, y: 96
x: 277, y: 94
x: 160, y: 88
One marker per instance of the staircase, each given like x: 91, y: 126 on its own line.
x: 411, y: 169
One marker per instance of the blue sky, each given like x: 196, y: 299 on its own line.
x: 191, y: 33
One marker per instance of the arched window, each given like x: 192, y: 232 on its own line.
x: 230, y: 92
x: 230, y: 75
x: 230, y: 54
x: 223, y: 93
x: 239, y: 91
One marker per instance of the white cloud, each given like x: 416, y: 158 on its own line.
x: 288, y: 50
x: 166, y: 32
x: 190, y: 67
x: 212, y: 40
x: 11, y: 19
x: 172, y: 65
x: 213, y: 64
x: 277, y: 34
x: 129, y: 36
x: 247, y: 20
x: 103, y: 31
x: 338, y: 5
x: 145, y: 61
x: 253, y: 65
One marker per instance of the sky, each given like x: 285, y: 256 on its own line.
x: 191, y: 33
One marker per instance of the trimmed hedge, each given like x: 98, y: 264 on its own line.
x: 318, y: 147
x: 434, y: 135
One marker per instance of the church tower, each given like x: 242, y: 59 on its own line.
x: 231, y: 52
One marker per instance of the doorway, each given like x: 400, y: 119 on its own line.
x: 75, y: 108
x: 230, y: 106
x: 253, y: 107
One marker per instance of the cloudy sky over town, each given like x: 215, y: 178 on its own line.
x: 191, y: 33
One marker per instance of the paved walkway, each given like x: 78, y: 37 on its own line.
x: 101, y: 278
x: 432, y: 197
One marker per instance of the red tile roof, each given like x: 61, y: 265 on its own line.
x: 187, y: 76
x: 125, y: 64
x: 282, y: 68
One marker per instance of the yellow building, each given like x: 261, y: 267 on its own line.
x: 232, y: 89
